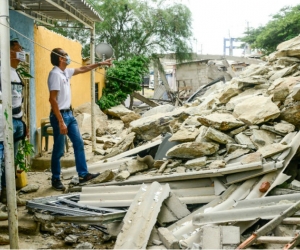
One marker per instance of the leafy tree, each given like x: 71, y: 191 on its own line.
x: 122, y: 79
x: 138, y: 27
x: 283, y: 26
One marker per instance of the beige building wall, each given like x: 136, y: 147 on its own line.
x: 47, y: 40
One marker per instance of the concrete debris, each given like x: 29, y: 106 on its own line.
x: 199, y: 175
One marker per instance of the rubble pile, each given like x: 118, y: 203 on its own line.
x: 202, y: 175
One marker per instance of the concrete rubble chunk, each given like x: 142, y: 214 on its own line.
x: 123, y: 175
x: 260, y: 109
x: 159, y: 110
x: 287, y: 82
x: 82, y: 114
x: 118, y: 111
x: 133, y: 166
x: 186, y: 134
x: 202, y: 131
x: 247, y: 94
x: 125, y: 143
x: 70, y: 239
x: 291, y: 113
x: 218, y: 136
x: 253, y: 157
x: 243, y: 139
x: 190, y: 150
x: 296, y: 92
x: 198, y: 162
x: 237, y: 153
x: 220, y: 121
x: 105, y: 176
x: 280, y: 94
x: 238, y: 130
x: 246, y: 81
x: 272, y: 149
x: 284, y: 72
x: 30, y: 188
x: 168, y: 239
x: 149, y: 127
x: 217, y: 164
x: 284, y: 127
x: 262, y: 137
x: 128, y: 118
x: 228, y: 93
x: 271, y: 129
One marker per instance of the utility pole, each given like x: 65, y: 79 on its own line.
x: 8, y: 138
x: 248, y: 49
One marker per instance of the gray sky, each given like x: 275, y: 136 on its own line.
x: 214, y: 20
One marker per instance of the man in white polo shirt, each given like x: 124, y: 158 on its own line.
x: 61, y: 117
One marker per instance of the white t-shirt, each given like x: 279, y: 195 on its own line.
x: 60, y: 80
x: 16, y: 91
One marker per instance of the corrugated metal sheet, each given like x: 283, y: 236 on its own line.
x: 49, y: 11
x: 141, y: 216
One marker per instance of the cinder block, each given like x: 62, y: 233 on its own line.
x: 211, y: 238
x: 230, y: 235
x: 168, y: 239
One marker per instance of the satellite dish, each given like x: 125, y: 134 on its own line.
x: 104, y: 51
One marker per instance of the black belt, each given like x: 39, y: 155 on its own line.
x: 16, y: 110
x: 64, y: 110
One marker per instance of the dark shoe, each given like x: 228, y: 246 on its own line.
x: 57, y: 185
x: 87, y: 177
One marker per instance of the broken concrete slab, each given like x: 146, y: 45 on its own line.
x: 186, y: 134
x: 262, y: 137
x: 118, y: 111
x: 159, y: 110
x: 149, y: 127
x: 190, y: 150
x: 220, y: 121
x: 217, y: 136
x: 198, y: 162
x: 260, y: 109
x: 272, y: 149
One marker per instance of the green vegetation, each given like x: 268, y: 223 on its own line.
x: 25, y: 149
x: 283, y: 26
x: 122, y: 79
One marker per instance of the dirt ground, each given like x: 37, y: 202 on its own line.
x: 39, y: 240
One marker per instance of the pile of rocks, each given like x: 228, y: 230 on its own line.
x: 247, y: 125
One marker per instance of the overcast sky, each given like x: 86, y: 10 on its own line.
x: 214, y: 20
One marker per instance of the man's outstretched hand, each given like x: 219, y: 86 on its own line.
x: 107, y: 62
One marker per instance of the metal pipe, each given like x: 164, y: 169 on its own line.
x: 8, y: 134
